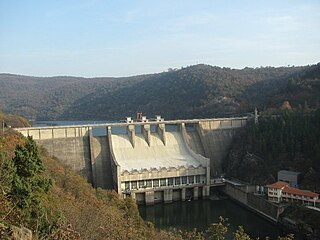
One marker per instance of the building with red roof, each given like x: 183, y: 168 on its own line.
x: 281, y: 191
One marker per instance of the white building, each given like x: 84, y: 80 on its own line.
x: 281, y: 191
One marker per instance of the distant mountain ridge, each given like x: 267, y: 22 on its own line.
x: 190, y: 92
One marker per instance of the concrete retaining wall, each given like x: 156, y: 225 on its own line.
x: 253, y: 202
x: 264, y: 206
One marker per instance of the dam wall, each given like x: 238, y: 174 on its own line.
x: 78, y: 148
x: 216, y: 138
x: 74, y: 152
x: 101, y: 167
x: 255, y: 203
x: 93, y: 156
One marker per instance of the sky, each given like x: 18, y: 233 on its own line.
x: 91, y: 38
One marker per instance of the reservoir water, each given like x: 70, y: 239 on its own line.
x: 199, y: 214
x: 194, y: 214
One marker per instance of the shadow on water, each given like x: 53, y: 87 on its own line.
x: 199, y: 214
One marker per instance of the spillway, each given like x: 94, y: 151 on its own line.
x: 157, y: 155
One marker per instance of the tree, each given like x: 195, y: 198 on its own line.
x: 217, y: 231
x: 240, y: 234
x: 27, y: 184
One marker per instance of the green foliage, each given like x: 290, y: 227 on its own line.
x: 240, y: 234
x: 289, y: 141
x: 27, y: 161
x: 6, y: 173
x: 23, y: 187
x: 217, y: 231
x: 5, y: 230
x: 27, y: 184
x: 194, y: 234
x: 288, y: 237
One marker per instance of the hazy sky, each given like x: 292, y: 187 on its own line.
x: 121, y: 38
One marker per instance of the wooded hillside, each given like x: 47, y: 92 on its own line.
x: 195, y: 91
x: 290, y: 141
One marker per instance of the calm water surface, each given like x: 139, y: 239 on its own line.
x: 199, y: 214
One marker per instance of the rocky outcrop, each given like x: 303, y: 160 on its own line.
x: 20, y: 233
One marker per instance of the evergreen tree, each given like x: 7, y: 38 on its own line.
x: 28, y: 186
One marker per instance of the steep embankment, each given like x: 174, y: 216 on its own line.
x: 70, y: 208
x: 195, y: 91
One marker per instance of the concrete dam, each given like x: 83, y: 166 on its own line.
x: 154, y: 161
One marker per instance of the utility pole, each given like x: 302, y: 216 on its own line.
x: 256, y: 115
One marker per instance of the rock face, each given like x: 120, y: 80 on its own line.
x: 21, y: 233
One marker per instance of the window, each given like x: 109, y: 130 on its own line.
x: 203, y: 179
x: 163, y: 182
x: 127, y: 185
x: 184, y: 180
x: 149, y: 183
x: 134, y: 184
x: 170, y: 181
x: 156, y: 183
x: 141, y: 184
x: 191, y: 179
x: 198, y: 179
x: 177, y: 181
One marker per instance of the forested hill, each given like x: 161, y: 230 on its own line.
x: 49, y: 98
x: 195, y: 91
x: 290, y: 141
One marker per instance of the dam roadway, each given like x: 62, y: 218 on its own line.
x: 147, y: 163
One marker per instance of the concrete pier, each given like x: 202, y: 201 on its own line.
x: 161, y: 130
x: 145, y: 129
x: 195, y: 193
x: 132, y: 134
x: 183, y: 194
x: 167, y: 198
x: 149, y: 198
x: 205, y: 191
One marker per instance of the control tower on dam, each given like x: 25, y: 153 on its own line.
x: 152, y: 161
